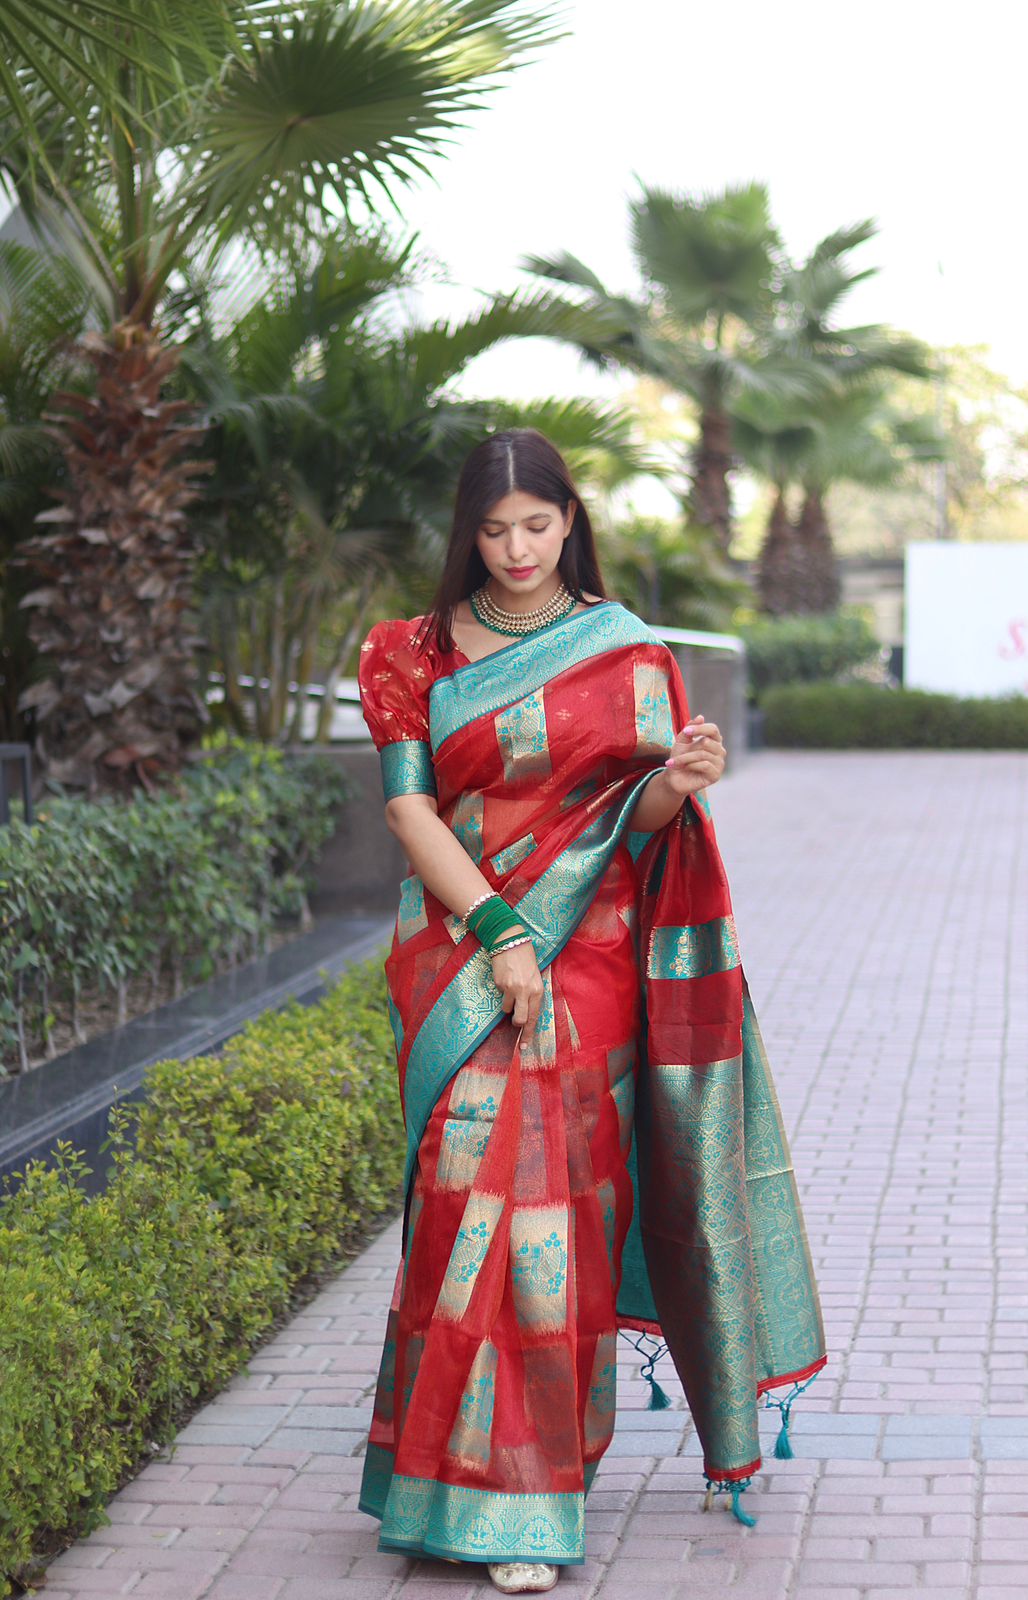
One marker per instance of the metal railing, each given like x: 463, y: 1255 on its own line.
x: 702, y: 641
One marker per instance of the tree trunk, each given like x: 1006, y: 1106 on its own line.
x: 821, y: 585
x: 777, y: 575
x: 710, y: 500
x: 112, y: 612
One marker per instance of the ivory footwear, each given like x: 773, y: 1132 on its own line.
x: 522, y: 1577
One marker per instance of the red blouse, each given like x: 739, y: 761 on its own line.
x: 395, y: 677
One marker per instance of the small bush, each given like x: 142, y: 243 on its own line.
x: 829, y: 716
x: 251, y: 1171
x: 180, y: 882
x: 806, y: 649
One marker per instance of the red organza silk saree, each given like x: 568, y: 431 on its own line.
x: 625, y: 1166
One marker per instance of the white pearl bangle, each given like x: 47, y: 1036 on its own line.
x: 476, y: 903
x: 512, y: 944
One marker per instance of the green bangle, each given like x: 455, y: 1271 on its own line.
x: 493, y: 920
x: 473, y: 917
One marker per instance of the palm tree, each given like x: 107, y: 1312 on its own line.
x: 858, y: 435
x: 853, y: 432
x: 153, y: 137
x: 336, y: 441
x: 707, y: 265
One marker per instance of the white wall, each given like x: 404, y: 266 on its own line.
x: 966, y: 625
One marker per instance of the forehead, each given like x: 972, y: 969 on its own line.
x: 517, y: 506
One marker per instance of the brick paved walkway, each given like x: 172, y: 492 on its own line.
x: 882, y: 902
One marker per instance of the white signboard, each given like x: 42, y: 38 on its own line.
x: 966, y: 626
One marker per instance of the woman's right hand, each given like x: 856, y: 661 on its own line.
x: 517, y: 976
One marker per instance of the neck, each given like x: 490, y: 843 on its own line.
x: 520, y: 602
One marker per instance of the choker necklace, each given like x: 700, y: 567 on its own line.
x: 517, y: 623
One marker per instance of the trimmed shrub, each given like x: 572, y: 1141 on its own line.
x: 806, y: 649
x: 181, y: 882
x: 250, y: 1171
x: 829, y: 716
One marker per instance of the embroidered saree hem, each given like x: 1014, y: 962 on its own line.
x: 422, y: 1516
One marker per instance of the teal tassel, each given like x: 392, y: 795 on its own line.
x: 658, y: 1400
x: 783, y: 1444
x: 783, y: 1449
x: 737, y: 1512
x: 736, y: 1491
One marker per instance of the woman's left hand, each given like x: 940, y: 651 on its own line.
x: 697, y: 757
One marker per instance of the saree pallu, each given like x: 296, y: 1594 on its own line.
x: 623, y: 1165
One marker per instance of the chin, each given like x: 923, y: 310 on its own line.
x: 524, y: 590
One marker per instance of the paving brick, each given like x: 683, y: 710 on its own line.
x: 247, y: 1587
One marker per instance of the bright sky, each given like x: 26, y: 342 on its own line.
x: 906, y: 112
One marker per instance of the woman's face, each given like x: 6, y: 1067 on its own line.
x: 520, y: 540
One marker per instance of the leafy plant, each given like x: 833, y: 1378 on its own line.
x: 220, y: 853
x: 241, y: 1176
x: 806, y: 649
x: 149, y: 140
x: 827, y: 716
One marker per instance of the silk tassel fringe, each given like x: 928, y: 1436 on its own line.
x: 783, y: 1444
x: 783, y: 1452
x: 735, y: 1490
x: 659, y: 1399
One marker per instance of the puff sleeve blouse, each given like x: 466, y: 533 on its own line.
x: 395, y: 678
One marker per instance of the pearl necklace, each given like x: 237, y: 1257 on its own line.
x: 517, y: 623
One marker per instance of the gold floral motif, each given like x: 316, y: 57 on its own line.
x: 654, y: 730
x: 694, y: 952
x: 521, y: 736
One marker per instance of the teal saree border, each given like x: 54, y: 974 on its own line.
x: 485, y: 685
x: 441, y: 1519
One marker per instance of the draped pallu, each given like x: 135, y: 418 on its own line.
x: 625, y: 1167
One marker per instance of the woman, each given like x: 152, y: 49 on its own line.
x: 594, y: 1142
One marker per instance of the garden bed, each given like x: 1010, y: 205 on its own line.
x: 239, y: 1183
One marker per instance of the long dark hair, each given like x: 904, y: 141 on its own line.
x: 517, y: 458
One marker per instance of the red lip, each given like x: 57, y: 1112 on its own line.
x: 520, y: 572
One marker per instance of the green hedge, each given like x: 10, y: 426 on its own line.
x: 829, y: 716
x: 182, y: 881
x: 806, y: 649
x: 240, y: 1176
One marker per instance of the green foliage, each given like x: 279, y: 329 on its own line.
x: 336, y: 445
x: 158, y: 134
x: 806, y: 649
x: 118, y: 1314
x: 670, y: 573
x: 180, y: 880
x: 826, y: 716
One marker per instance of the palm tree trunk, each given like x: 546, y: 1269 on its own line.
x: 821, y: 585
x: 710, y: 497
x: 340, y: 656
x: 113, y: 608
x: 307, y: 634
x: 777, y: 575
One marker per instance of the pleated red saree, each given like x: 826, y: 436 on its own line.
x: 625, y: 1167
